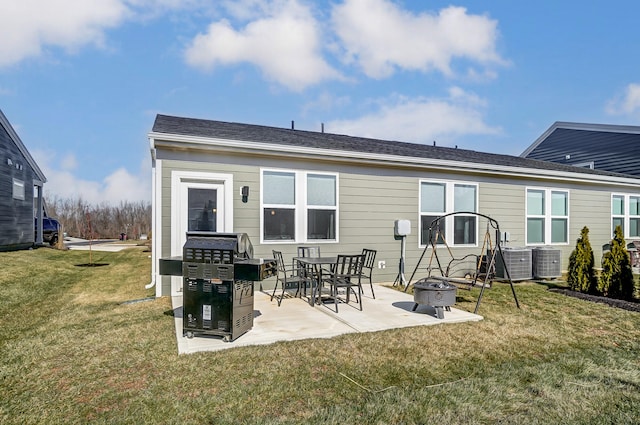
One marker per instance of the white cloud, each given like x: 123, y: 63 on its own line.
x: 420, y: 120
x: 285, y: 44
x: 120, y: 185
x: 30, y: 26
x: 628, y: 103
x: 381, y: 37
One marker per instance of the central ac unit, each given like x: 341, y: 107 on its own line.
x: 547, y: 263
x: 517, y: 262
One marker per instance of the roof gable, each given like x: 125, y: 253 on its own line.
x: 4, y: 122
x: 609, y: 147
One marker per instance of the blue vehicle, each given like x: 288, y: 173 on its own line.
x: 50, y: 229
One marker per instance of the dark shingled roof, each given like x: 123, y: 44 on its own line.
x: 262, y: 134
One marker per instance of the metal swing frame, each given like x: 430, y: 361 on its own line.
x: 488, y: 255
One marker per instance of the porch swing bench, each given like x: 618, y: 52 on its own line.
x: 466, y: 272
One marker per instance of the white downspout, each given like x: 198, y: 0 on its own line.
x: 154, y: 234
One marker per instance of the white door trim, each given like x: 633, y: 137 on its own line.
x: 178, y: 179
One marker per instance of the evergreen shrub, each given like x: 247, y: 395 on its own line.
x: 616, y: 279
x: 581, y: 275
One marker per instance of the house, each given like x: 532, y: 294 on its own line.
x: 21, y: 183
x: 613, y: 148
x: 286, y: 187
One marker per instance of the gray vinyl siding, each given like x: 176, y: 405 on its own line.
x: 379, y: 182
x: 16, y: 215
x: 372, y: 198
x: 610, y: 148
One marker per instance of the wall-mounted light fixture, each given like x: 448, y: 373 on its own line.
x: 244, y: 191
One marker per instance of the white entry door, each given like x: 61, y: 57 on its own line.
x: 198, y: 205
x: 201, y: 209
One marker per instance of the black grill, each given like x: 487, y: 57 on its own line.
x: 218, y: 273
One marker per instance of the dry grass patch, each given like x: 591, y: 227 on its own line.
x: 80, y: 355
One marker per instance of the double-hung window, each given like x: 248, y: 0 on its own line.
x: 299, y: 206
x: 441, y: 198
x: 547, y: 216
x: 625, y: 212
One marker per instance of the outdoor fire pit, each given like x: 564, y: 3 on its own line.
x: 436, y: 293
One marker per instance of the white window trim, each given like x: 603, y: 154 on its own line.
x: 547, y: 215
x: 449, y: 208
x: 626, y: 215
x: 300, y: 207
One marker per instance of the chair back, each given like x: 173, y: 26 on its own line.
x: 348, y: 265
x: 279, y: 261
x: 369, y: 258
x: 309, y: 251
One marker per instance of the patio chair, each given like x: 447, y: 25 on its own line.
x: 346, y: 273
x: 368, y: 266
x: 286, y: 276
x: 309, y: 251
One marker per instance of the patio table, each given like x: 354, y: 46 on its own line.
x: 315, y: 265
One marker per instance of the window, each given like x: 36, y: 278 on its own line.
x: 625, y: 212
x: 18, y: 189
x: 441, y: 198
x: 299, y: 206
x: 547, y: 216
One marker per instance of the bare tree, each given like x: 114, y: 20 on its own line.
x: 83, y: 220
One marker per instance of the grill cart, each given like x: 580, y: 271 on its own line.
x: 218, y: 272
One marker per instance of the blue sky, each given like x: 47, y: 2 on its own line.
x: 81, y: 82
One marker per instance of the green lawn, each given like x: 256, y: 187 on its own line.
x: 72, y: 352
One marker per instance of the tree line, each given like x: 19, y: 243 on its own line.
x: 103, y: 221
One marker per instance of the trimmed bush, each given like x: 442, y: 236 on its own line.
x: 581, y: 276
x: 616, y: 279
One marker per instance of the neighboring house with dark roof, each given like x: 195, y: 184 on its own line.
x: 345, y: 193
x: 21, y: 182
x: 613, y: 148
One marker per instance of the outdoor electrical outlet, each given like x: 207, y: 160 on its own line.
x: 382, y: 264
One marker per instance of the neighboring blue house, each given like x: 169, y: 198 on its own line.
x: 21, y: 182
x: 614, y: 148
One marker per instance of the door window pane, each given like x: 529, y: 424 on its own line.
x: 202, y: 210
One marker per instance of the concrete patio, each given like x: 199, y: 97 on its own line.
x: 295, y: 319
